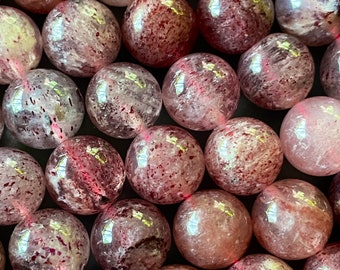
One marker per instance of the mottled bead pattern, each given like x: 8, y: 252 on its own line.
x: 309, y: 133
x: 43, y: 108
x: 200, y: 91
x: 292, y: 219
x: 123, y: 99
x: 20, y: 44
x: 2, y: 257
x: 314, y: 22
x: 164, y: 164
x: 131, y: 234
x: 212, y: 229
x: 84, y: 174
x: 38, y: 6
x: 328, y: 258
x: 49, y: 239
x: 234, y: 26
x: 334, y: 197
x: 243, y: 156
x: 22, y: 185
x: 81, y: 37
x: 261, y: 262
x: 117, y: 3
x: 159, y: 32
x: 277, y: 72
x: 178, y: 267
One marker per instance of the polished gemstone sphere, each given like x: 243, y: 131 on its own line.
x: 334, y: 197
x: 260, y: 262
x: 38, y: 6
x: 117, y: 3
x: 328, y: 258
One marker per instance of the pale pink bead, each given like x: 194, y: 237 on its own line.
x: 260, y: 262
x: 327, y: 259
x: 38, y: 6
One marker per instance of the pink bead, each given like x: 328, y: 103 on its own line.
x: 334, y: 197
x: 314, y: 22
x: 178, y: 267
x: 131, y: 234
x: 157, y: 33
x: 234, y: 26
x: 38, y: 6
x: 22, y: 183
x: 2, y: 257
x: 243, y: 156
x: 20, y: 44
x: 212, y: 229
x: 260, y: 262
x: 85, y: 174
x: 117, y: 3
x: 164, y: 164
x: 292, y: 219
x: 309, y: 133
x: 328, y: 259
x: 201, y: 91
x: 123, y: 99
x: 277, y: 72
x: 81, y: 37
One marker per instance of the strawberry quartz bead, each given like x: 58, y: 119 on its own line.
x: 178, y: 267
x: 38, y: 6
x: 117, y: 3
x: 159, y: 32
x: 328, y: 259
x: 200, y: 91
x: 234, y: 26
x: 20, y: 44
x: 2, y: 257
x: 81, y: 37
x: 309, y: 133
x: 334, y: 197
x: 292, y: 219
x: 260, y: 262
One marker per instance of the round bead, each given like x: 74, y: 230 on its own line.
x: 22, y: 183
x: 260, y: 261
x: 84, y: 174
x: 277, y: 72
x: 178, y: 267
x: 2, y: 257
x: 212, y: 229
x: 334, y: 197
x: 117, y: 3
x: 309, y: 132
x: 164, y: 164
x: 2, y: 125
x: 123, y: 99
x: 131, y: 234
x: 243, y: 156
x: 292, y: 219
x: 38, y: 6
x: 328, y: 258
x: 200, y: 91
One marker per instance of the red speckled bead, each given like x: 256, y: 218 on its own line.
x: 117, y: 3
x: 292, y: 219
x: 309, y: 133
x: 243, y: 156
x: 277, y: 72
x: 49, y: 239
x: 334, y: 197
x: 314, y: 22
x: 123, y: 99
x: 200, y: 91
x: 260, y: 262
x: 328, y: 259
x: 234, y: 26
x: 2, y: 257
x: 131, y: 234
x: 38, y: 6
x: 159, y: 32
x: 178, y: 267
x: 164, y: 164
x: 22, y: 185
x: 84, y: 175
x: 20, y: 44
x: 81, y: 37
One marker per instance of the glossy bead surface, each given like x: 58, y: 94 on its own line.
x: 260, y: 262
x: 2, y: 257
x: 334, y: 197
x: 277, y: 72
x: 201, y: 91
x: 131, y: 234
x: 85, y: 174
x: 243, y: 156
x: 38, y: 6
x: 328, y: 259
x: 212, y: 229
x: 292, y: 219
x: 164, y: 164
x: 117, y: 3
x: 178, y: 267
x: 232, y: 27
x: 123, y: 99
x: 309, y: 132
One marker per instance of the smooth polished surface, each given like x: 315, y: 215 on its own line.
x: 117, y: 3
x: 326, y: 259
x: 38, y: 6
x: 334, y: 197
x: 260, y: 262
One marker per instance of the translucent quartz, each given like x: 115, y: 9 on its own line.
x: 327, y: 259
x: 260, y: 262
x: 117, y: 3
x: 131, y: 234
x: 212, y: 229
x: 2, y: 257
x: 85, y: 174
x: 292, y: 219
x: 201, y: 91
x: 81, y: 37
x: 178, y: 267
x: 38, y: 6
x: 20, y: 44
x: 157, y: 33
x: 309, y: 132
x: 314, y: 22
x: 334, y: 197
x: 330, y: 70
x: 22, y: 185
x: 277, y: 72
x: 234, y: 26
x: 243, y: 156
x: 164, y: 164
x: 49, y: 239
x: 123, y: 99
x: 43, y: 108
